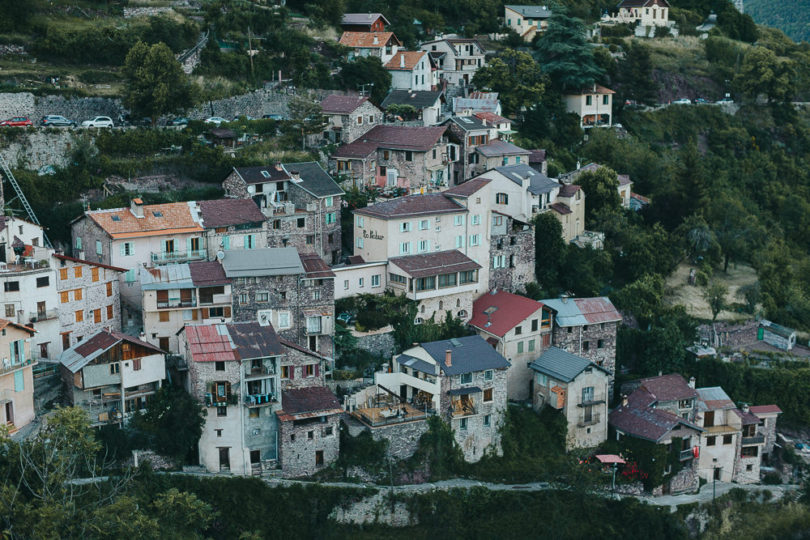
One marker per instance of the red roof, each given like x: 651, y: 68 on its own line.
x: 210, y: 343
x: 765, y: 409
x: 510, y: 310
x: 669, y: 387
x: 412, y: 205
x: 468, y: 188
x: 568, y: 190
x: 314, y: 266
x: 226, y: 212
x: 560, y: 208
x: 433, y: 264
x: 492, y: 118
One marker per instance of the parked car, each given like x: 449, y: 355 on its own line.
x: 682, y: 101
x: 98, y: 122
x: 54, y: 120
x: 699, y: 101
x: 216, y: 120
x: 240, y: 116
x: 179, y: 121
x: 273, y: 117
x: 725, y: 100
x: 17, y: 121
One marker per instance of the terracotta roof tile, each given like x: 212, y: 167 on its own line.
x: 169, y: 218
x: 207, y: 274
x: 420, y: 139
x: 366, y: 40
x: 491, y: 118
x: 405, y: 60
x: 509, y: 311
x: 467, y: 188
x: 765, y: 409
x: 91, y: 263
x: 669, y: 387
x: 412, y: 205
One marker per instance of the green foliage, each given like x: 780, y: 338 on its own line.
x: 361, y: 451
x: 635, y: 75
x: 763, y: 73
x: 438, y: 451
x: 407, y: 112
x: 564, y: 55
x: 715, y: 295
x: 172, y: 422
x: 365, y: 70
x: 601, y: 190
x: 791, y: 18
x: 515, y: 76
x: 155, y: 82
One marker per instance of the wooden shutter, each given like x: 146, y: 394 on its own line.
x: 109, y: 288
x: 194, y: 314
x: 185, y: 295
x: 227, y: 311
x: 110, y: 314
x: 162, y: 296
x: 97, y: 315
x: 94, y: 272
x: 292, y: 372
x: 205, y: 313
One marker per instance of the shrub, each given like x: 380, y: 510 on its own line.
x: 772, y: 478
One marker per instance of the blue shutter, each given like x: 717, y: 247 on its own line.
x: 22, y: 351
x: 188, y: 247
x: 19, y: 381
x: 226, y: 242
x: 12, y: 356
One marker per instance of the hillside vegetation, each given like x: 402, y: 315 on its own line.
x: 791, y: 17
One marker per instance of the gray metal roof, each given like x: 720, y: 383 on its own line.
x: 532, y: 12
x: 416, y: 364
x: 262, y: 262
x: 314, y: 179
x: 562, y: 365
x: 162, y: 278
x: 469, y: 354
x: 539, y: 183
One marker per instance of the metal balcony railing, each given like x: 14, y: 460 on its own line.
x: 38, y: 316
x: 178, y: 256
x: 7, y: 366
x: 687, y: 455
x: 177, y: 303
x: 594, y: 419
x: 255, y: 400
x: 756, y: 439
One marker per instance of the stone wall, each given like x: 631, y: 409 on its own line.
x: 295, y: 363
x: 685, y: 480
x: 517, y: 247
x: 575, y: 342
x: 32, y: 149
x: 403, y: 439
x: 379, y: 344
x: 255, y: 104
x: 74, y: 108
x: 300, y: 441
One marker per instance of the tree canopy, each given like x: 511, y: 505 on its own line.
x: 515, y: 76
x: 564, y: 54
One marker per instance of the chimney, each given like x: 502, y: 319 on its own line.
x: 136, y: 207
x: 525, y: 182
x: 564, y: 298
x: 277, y: 165
x: 402, y: 60
x: 624, y: 400
x: 142, y: 336
x: 745, y: 408
x: 295, y: 175
x: 376, y: 40
x: 691, y: 382
x: 448, y: 358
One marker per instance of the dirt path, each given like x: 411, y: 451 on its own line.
x: 679, y: 292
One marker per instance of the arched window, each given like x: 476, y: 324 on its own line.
x: 458, y: 302
x: 462, y: 314
x: 422, y: 309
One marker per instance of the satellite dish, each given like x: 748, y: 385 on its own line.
x: 220, y: 255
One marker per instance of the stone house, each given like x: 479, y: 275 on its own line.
x: 511, y: 251
x: 519, y: 328
x: 397, y: 157
x: 300, y: 202
x: 586, y: 327
x: 348, y: 117
x: 662, y: 410
x: 412, y: 70
x: 577, y: 388
x: 499, y: 127
x: 89, y: 299
x: 457, y: 58
x: 427, y: 103
x: 569, y: 209
x: 594, y: 106
x: 499, y: 153
x: 16, y: 375
x: 139, y: 236
x: 363, y: 22
x: 767, y: 414
x: 527, y: 21
x: 180, y: 294
x: 112, y: 375
x: 309, y: 430
x: 462, y: 379
x: 232, y: 224
x: 382, y: 45
x: 469, y: 132
x: 294, y: 294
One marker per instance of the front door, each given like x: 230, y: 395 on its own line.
x: 403, y: 392
x: 318, y: 458
x: 224, y: 459
x: 10, y: 413
x: 717, y: 473
x: 391, y: 176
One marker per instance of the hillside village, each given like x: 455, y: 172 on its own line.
x: 392, y: 282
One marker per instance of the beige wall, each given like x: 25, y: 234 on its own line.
x: 348, y: 279
x: 21, y: 400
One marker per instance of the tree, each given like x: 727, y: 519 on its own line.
x: 635, y: 75
x: 305, y: 116
x: 154, y: 82
x: 715, y: 295
x: 763, y: 73
x: 181, y: 514
x: 515, y: 76
x: 752, y: 294
x: 564, y: 54
x: 363, y: 71
x: 601, y: 191
x: 732, y: 225
x: 549, y: 252
x: 172, y: 422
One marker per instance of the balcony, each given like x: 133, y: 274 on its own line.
x: 8, y: 367
x: 594, y: 419
x: 686, y: 455
x: 756, y: 439
x: 391, y: 414
x: 39, y: 316
x: 177, y: 304
x: 259, y: 372
x: 179, y: 256
x: 216, y: 299
x: 258, y: 400
x: 463, y: 407
x: 214, y: 400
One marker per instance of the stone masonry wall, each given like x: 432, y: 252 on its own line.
x: 403, y: 438
x: 300, y: 441
x: 255, y: 104
x: 89, y: 232
x: 685, y: 480
x: 575, y: 340
x: 296, y: 362
x: 74, y: 108
x: 379, y: 344
x: 34, y: 148
x: 518, y: 249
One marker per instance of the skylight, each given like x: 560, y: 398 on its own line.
x: 116, y: 217
x: 157, y: 213
x: 266, y: 174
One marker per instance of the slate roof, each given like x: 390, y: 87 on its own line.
x: 158, y: 219
x: 405, y: 60
x: 714, y: 398
x: 412, y: 205
x: 227, y: 212
x: 262, y: 173
x: 510, y: 310
x: 416, y: 364
x: 531, y: 12
x: 765, y: 409
x: 356, y: 149
x: 562, y: 365
x: 646, y: 423
x: 308, y: 400
x: 315, y: 267
x: 670, y: 387
x: 357, y: 19
x: 85, y: 351
x: 583, y: 311
x: 746, y: 418
x: 433, y: 264
x: 468, y: 188
x: 568, y: 190
x: 334, y: 104
x: 91, y: 263
x: 253, y: 340
x: 560, y: 208
x: 418, y: 98
x: 537, y: 156
x: 365, y: 40
x: 262, y: 262
x: 469, y: 123
x: 404, y: 137
x: 207, y: 274
x: 314, y: 179
x: 539, y: 183
x: 469, y: 354
x: 624, y: 179
x: 501, y: 148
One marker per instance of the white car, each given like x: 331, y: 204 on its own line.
x: 682, y: 101
x: 98, y: 122
x: 216, y: 120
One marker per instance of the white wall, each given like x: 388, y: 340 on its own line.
x: 347, y: 279
x: 153, y: 369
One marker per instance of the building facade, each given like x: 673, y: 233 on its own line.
x: 348, y: 117
x: 457, y: 59
x: 16, y: 375
x: 593, y: 105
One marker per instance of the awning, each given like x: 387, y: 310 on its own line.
x: 464, y: 391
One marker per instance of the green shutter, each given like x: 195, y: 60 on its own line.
x: 19, y: 381
x: 22, y: 351
x: 226, y: 242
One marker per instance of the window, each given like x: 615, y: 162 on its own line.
x: 284, y: 319
x: 408, y: 155
x: 520, y: 347
x: 460, y: 241
x: 310, y: 435
x: 263, y: 297
x: 316, y: 294
x: 10, y: 311
x: 79, y: 315
x: 110, y: 313
x: 79, y: 243
x: 487, y: 420
x: 94, y: 274
x: 497, y: 221
x: 588, y: 100
x: 345, y: 284
x: 708, y: 419
x: 422, y: 246
x: 127, y: 249
x: 396, y: 278
x: 458, y: 220
x: 467, y: 276
x: 243, y: 298
x: 360, y: 282
x: 475, y: 239
x: 360, y: 221
x: 463, y: 424
x: 405, y: 226
x: 310, y: 239
x: 219, y: 366
x: 518, y: 330
x: 404, y: 248
x: 11, y: 286
x: 328, y: 431
x: 426, y: 284
x: 727, y: 439
x: 285, y: 372
x: 99, y: 249
x: 63, y: 273
x: 475, y: 219
x: 499, y: 261
x: 330, y: 218
x: 42, y: 282
x: 605, y: 100
x: 466, y: 378
x: 587, y: 394
x: 447, y: 280
x: 360, y: 242
x: 250, y: 241
x: 749, y: 451
x: 163, y: 316
x: 301, y: 222
x: 97, y: 315
x: 222, y: 411
x: 502, y: 198
x: 115, y: 368
x: 487, y: 395
x: 531, y: 345
x: 424, y: 224
x: 710, y: 441
x: 375, y: 280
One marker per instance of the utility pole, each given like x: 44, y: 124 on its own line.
x: 250, y: 52
x: 363, y: 88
